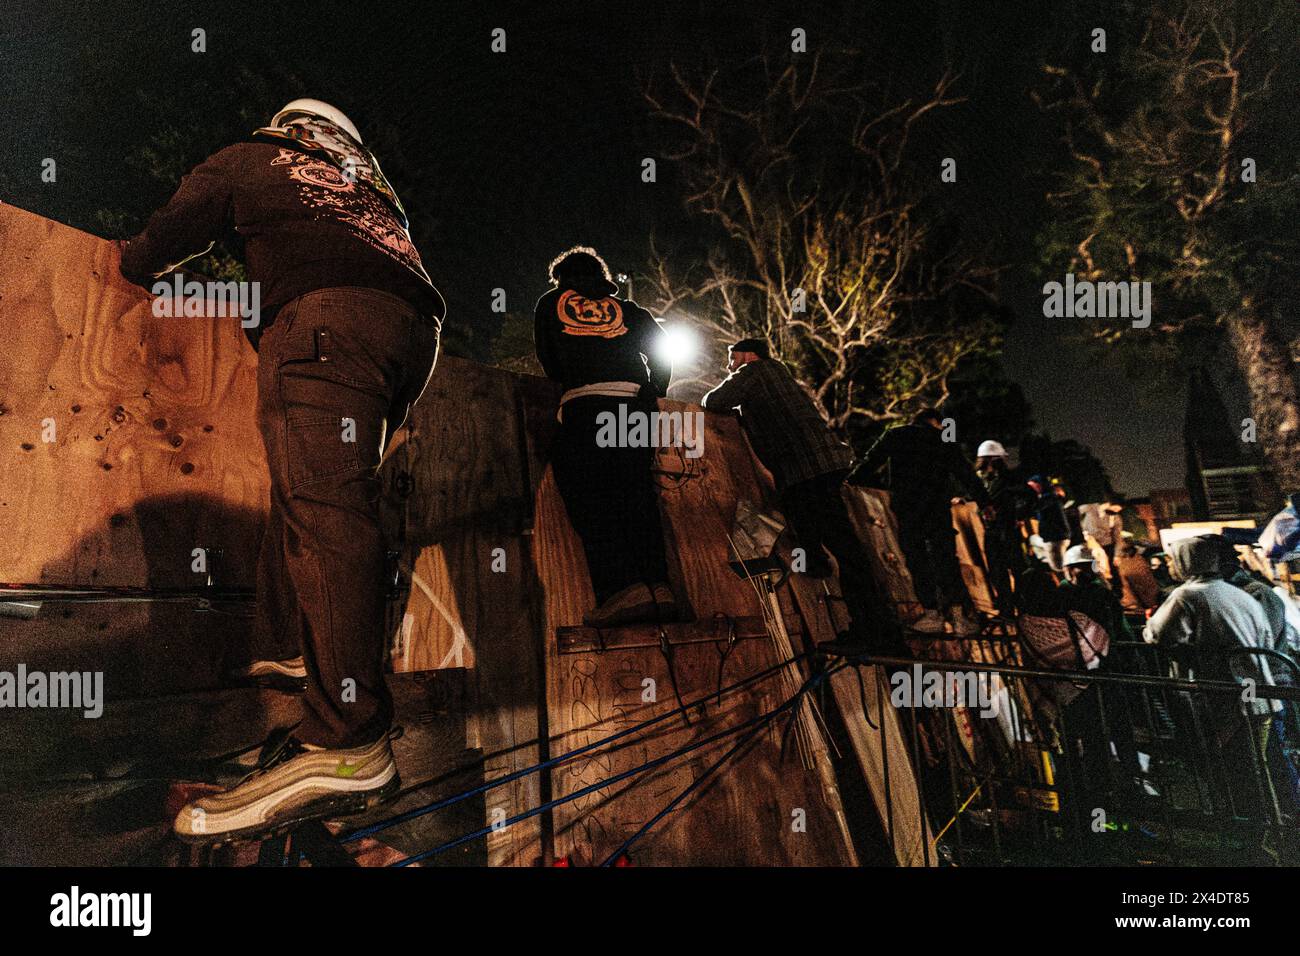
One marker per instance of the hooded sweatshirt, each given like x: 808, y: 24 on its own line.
x: 585, y: 336
x: 1211, y: 616
x: 308, y: 217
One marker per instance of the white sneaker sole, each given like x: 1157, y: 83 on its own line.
x: 257, y: 819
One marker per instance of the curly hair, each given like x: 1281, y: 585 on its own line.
x: 578, y: 261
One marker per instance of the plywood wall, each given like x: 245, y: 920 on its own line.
x: 155, y: 452
x: 126, y: 441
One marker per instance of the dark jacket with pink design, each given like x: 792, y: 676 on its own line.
x: 304, y: 226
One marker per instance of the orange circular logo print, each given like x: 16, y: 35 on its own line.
x: 582, y: 316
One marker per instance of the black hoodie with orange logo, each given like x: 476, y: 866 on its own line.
x: 584, y: 336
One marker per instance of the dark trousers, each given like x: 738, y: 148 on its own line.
x: 1004, y: 561
x: 1097, y: 718
x: 610, y: 496
x: 928, y: 541
x: 337, y: 373
x: 1242, y: 758
x: 820, y: 521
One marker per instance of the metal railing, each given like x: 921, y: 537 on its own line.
x: 1131, y: 763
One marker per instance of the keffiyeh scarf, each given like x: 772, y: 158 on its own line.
x: 318, y: 135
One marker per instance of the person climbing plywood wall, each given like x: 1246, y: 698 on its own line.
x: 504, y: 573
x: 154, y: 453
x: 759, y: 808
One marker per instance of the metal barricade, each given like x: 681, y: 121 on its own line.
x: 1129, y: 763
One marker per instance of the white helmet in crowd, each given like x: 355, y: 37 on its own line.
x: 991, y: 449
x: 1080, y: 554
x: 310, y: 107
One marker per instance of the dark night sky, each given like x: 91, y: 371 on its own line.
x: 510, y: 158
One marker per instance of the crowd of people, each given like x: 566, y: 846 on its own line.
x: 1199, y: 612
x: 349, y: 332
x: 1202, y: 611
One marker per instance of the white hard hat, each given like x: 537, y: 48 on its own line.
x: 1079, y: 554
x: 310, y: 107
x: 991, y: 449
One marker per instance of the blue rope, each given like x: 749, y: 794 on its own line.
x: 598, y: 785
x: 755, y: 722
x: 555, y: 761
x: 698, y: 782
x: 713, y: 768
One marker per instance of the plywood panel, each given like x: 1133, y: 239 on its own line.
x: 466, y: 454
x: 156, y: 452
x: 876, y: 732
x: 460, y: 485
x: 878, y: 528
x: 142, y: 649
x: 745, y: 815
x: 970, y: 555
x: 154, y: 448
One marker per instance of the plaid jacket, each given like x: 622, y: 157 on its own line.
x: 786, y: 431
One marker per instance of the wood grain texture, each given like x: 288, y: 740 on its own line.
x: 142, y: 649
x: 156, y: 452
x: 876, y: 732
x: 460, y: 486
x: 970, y: 555
x: 154, y: 448
x: 877, y: 526
x: 743, y: 814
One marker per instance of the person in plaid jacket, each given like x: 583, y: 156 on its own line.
x: 808, y: 466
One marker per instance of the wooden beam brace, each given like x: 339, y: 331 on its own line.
x: 721, y: 629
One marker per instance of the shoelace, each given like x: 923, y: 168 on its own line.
x: 281, y: 745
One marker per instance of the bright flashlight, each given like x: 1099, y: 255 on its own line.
x: 679, y: 345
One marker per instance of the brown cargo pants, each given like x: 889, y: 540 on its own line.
x: 337, y: 373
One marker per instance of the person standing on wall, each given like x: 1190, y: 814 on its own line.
x: 808, y: 465
x: 347, y: 340
x: 1053, y: 528
x: 607, y: 352
x: 919, y: 469
x: 1004, y: 552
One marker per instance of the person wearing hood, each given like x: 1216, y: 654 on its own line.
x: 1053, y: 527
x: 1205, y: 624
x: 347, y: 338
x: 921, y: 470
x: 607, y: 354
x: 1284, y: 747
x: 1008, y: 503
